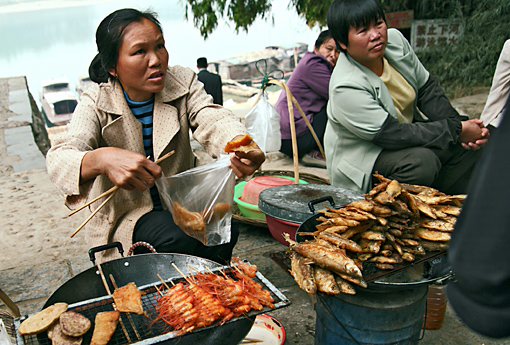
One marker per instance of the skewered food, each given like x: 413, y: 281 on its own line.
x: 41, y: 321
x: 128, y: 299
x: 74, y: 324
x: 209, y: 298
x: 105, y: 325
x: 395, y: 224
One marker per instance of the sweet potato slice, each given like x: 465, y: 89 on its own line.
x: 41, y: 321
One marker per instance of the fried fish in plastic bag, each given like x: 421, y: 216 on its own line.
x: 200, y: 200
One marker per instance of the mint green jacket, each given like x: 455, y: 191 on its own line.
x: 359, y: 103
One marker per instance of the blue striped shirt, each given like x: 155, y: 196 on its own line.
x: 143, y: 111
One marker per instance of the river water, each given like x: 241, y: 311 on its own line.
x: 48, y: 39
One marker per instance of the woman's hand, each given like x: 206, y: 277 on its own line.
x: 126, y: 169
x: 474, y: 135
x: 244, y: 164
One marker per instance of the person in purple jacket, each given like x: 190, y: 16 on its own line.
x: 309, y: 84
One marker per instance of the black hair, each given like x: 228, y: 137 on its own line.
x: 109, y: 36
x: 202, y: 62
x: 344, y: 14
x: 323, y: 37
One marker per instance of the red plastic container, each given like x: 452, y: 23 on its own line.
x: 278, y: 227
x: 256, y: 185
x: 287, y: 207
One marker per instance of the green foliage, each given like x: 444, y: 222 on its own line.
x: 242, y: 12
x: 315, y: 12
x: 469, y: 64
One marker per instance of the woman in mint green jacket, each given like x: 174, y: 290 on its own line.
x: 387, y: 114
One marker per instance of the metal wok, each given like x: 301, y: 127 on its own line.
x: 144, y: 269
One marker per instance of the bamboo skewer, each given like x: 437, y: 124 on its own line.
x: 130, y: 319
x: 110, y: 193
x: 105, y: 283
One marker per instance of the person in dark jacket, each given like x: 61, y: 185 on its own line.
x: 309, y: 85
x: 212, y: 82
x: 479, y: 246
x: 387, y: 114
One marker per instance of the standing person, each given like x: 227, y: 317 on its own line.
x: 500, y: 90
x: 309, y: 85
x: 212, y: 82
x: 377, y: 95
x: 140, y: 107
x: 480, y: 294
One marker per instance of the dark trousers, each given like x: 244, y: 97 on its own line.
x: 159, y: 230
x: 446, y: 170
x: 305, y: 142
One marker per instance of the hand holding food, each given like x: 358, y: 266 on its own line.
x: 248, y: 156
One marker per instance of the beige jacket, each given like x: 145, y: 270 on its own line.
x: 103, y: 119
x: 500, y: 89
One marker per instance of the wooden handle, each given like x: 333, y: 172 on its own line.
x: 10, y: 304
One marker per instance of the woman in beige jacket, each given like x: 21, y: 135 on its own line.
x: 140, y: 108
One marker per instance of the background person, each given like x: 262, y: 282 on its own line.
x: 378, y: 91
x: 309, y: 85
x: 140, y: 107
x: 480, y: 294
x: 500, y: 90
x: 212, y: 81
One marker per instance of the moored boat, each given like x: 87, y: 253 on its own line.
x: 58, y: 103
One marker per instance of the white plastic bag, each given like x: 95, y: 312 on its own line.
x: 263, y: 124
x: 200, y: 200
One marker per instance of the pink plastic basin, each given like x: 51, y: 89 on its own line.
x: 278, y: 227
x: 256, y: 185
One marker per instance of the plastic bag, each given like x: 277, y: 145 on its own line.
x: 200, y: 200
x: 263, y: 124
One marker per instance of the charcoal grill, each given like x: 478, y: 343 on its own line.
x: 148, y: 330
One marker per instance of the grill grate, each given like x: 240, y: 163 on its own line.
x: 150, y: 331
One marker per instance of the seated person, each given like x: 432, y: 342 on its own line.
x: 379, y: 92
x: 309, y: 85
x: 500, y: 90
x: 138, y: 110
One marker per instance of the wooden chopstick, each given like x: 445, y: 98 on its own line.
x: 110, y: 193
x: 114, y: 188
x: 92, y: 215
